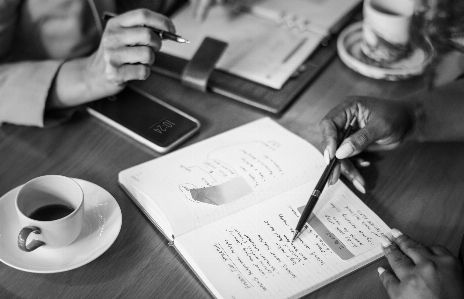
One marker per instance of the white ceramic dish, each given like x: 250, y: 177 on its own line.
x: 349, y: 50
x: 101, y: 226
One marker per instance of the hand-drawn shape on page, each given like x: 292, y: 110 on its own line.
x: 224, y: 193
x: 327, y: 236
x: 185, y: 189
x: 219, y: 168
x: 207, y: 177
x: 215, y: 181
x: 256, y: 161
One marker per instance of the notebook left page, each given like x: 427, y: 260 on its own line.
x: 219, y: 176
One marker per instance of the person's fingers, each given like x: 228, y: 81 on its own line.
x: 389, y: 280
x: 128, y: 72
x: 333, y: 123
x: 346, y: 168
x: 417, y: 252
x: 335, y: 175
x: 439, y: 250
x: 134, y: 36
x: 383, y: 146
x: 353, y: 175
x: 401, y: 264
x: 132, y: 55
x: 360, y: 140
x: 143, y: 17
x: 362, y: 163
x: 329, y: 138
x: 327, y: 156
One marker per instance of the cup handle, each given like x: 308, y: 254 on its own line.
x: 22, y: 237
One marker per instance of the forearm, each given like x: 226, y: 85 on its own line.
x: 126, y: 52
x: 437, y: 114
x: 24, y: 88
x: 74, y: 85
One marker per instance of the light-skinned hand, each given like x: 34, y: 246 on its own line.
x: 380, y: 124
x: 420, y: 272
x: 127, y: 48
x: 126, y: 52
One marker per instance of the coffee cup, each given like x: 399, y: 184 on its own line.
x: 51, y: 208
x: 386, y: 29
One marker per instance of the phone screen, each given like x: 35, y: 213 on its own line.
x: 134, y: 111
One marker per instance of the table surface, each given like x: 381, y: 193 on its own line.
x: 417, y: 188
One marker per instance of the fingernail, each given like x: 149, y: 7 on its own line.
x: 363, y: 163
x: 396, y: 233
x: 357, y: 184
x: 384, y: 241
x: 344, y: 151
x: 380, y: 270
x: 327, y: 156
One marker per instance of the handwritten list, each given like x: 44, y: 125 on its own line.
x: 253, y: 246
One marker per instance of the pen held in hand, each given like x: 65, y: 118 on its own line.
x: 320, y: 186
x: 170, y: 36
x: 161, y: 33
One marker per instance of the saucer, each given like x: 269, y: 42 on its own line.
x: 349, y: 50
x: 101, y: 226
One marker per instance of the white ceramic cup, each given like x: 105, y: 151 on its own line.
x: 51, y: 207
x: 386, y: 29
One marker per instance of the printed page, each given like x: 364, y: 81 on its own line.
x: 222, y: 175
x: 255, y: 258
x: 259, y: 50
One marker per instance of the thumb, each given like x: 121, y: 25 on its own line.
x: 357, y: 142
x: 389, y: 280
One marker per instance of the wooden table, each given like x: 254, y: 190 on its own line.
x: 418, y: 189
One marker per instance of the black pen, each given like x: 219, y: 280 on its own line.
x: 170, y: 36
x: 161, y: 33
x: 320, y: 186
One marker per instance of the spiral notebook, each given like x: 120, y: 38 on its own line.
x: 229, y: 205
x: 267, y: 40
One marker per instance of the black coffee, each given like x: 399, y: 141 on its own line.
x: 51, y: 212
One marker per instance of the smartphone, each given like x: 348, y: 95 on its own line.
x: 145, y: 118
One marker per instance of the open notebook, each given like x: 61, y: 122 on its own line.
x: 268, y: 41
x: 229, y: 205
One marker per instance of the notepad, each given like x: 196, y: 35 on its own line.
x: 229, y: 205
x: 267, y: 42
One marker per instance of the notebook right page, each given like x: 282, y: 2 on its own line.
x: 252, y: 249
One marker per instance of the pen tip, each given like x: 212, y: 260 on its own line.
x: 295, y: 236
x: 183, y: 40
